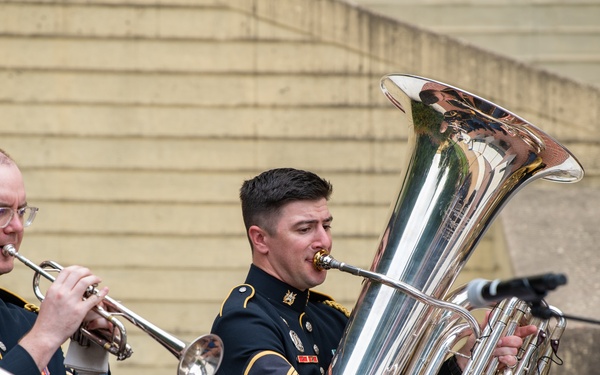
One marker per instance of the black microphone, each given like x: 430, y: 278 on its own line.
x: 481, y: 293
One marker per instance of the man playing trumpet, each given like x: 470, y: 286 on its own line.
x: 30, y: 340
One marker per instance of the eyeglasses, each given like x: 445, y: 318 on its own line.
x: 25, y: 214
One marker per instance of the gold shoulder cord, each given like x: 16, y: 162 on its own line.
x: 338, y: 306
x: 15, y: 299
x: 31, y: 307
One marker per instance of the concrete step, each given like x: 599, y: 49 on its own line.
x: 558, y: 36
x: 501, y: 15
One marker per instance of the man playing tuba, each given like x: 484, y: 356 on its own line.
x: 274, y: 323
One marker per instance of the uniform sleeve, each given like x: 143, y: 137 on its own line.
x: 252, y: 342
x: 16, y: 319
x: 269, y: 363
x: 18, y: 361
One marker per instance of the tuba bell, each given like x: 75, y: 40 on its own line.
x: 467, y: 158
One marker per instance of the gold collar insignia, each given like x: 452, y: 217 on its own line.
x: 289, y: 298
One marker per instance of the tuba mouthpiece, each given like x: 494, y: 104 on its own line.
x: 321, y: 260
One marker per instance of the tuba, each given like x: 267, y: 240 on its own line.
x: 467, y: 158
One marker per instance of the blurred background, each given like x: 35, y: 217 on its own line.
x: 136, y: 121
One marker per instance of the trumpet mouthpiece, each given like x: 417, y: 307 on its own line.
x: 9, y: 250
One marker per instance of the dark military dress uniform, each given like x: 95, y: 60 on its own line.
x: 16, y: 319
x: 269, y: 327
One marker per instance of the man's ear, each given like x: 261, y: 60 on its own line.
x: 259, y: 239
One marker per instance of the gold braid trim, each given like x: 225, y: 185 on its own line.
x: 337, y: 306
x: 31, y: 307
x: 253, y: 360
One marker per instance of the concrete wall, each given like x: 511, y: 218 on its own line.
x: 135, y: 122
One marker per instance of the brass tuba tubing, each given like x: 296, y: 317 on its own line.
x: 200, y: 357
x: 503, y: 321
x: 466, y: 158
x: 323, y: 261
x: 537, y: 357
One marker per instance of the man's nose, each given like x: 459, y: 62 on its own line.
x: 323, y: 239
x: 15, y: 224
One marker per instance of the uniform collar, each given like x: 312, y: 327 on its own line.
x: 276, y: 290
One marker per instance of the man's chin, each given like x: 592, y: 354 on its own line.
x: 6, y: 264
x: 320, y: 279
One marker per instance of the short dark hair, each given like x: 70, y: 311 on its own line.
x: 263, y: 196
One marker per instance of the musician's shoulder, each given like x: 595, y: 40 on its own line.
x: 238, y: 298
x: 10, y: 297
x: 324, y: 299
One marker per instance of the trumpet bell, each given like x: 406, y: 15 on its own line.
x: 202, y: 356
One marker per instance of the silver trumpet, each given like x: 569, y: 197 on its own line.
x: 200, y: 357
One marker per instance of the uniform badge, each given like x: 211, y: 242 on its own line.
x: 289, y: 298
x: 2, y: 346
x: 296, y: 340
x: 307, y: 359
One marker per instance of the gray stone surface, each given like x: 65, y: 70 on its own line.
x: 558, y: 36
x: 557, y: 229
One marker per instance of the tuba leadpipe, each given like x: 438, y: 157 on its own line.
x: 324, y: 261
x: 202, y: 356
x: 466, y: 158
